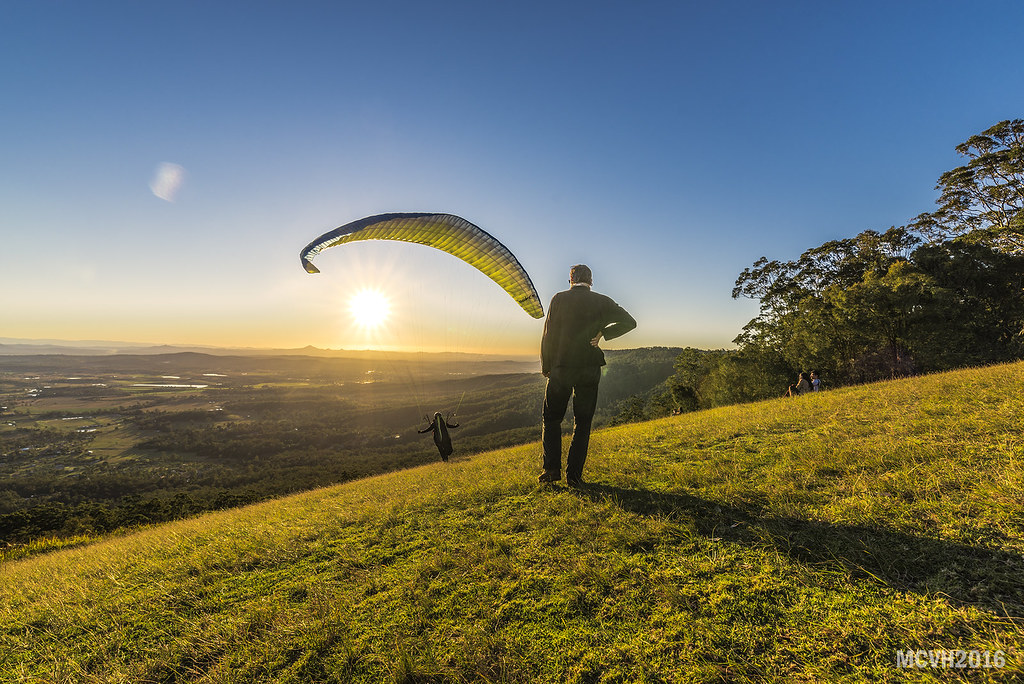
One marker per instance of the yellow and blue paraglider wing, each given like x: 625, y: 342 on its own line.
x: 446, y: 232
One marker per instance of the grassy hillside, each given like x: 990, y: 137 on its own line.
x: 806, y: 539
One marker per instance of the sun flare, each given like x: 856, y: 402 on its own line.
x: 369, y: 308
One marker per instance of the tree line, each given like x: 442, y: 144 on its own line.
x: 942, y: 292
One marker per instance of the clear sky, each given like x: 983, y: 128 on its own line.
x: 666, y: 144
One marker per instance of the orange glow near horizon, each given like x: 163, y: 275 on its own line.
x: 370, y: 296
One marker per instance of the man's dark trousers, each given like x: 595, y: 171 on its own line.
x: 581, y: 384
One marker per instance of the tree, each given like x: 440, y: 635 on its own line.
x: 976, y: 315
x: 834, y: 308
x: 692, y: 366
x: 982, y: 201
x: 880, y: 316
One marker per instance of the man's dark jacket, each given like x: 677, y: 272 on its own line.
x: 575, y: 317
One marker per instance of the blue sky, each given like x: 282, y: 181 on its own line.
x: 666, y: 144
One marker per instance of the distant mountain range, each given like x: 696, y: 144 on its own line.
x: 21, y: 347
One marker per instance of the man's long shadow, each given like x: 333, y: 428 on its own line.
x: 989, y: 579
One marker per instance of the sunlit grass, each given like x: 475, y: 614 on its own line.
x: 44, y: 545
x: 804, y: 539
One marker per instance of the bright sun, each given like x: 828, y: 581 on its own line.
x: 369, y: 308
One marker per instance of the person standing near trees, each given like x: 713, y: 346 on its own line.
x: 802, y: 386
x: 571, y: 360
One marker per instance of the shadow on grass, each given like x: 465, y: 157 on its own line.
x: 989, y: 579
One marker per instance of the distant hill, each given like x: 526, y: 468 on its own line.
x: 15, y: 347
x: 181, y: 360
x: 830, y: 537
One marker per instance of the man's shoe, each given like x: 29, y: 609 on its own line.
x: 548, y: 476
x: 574, y: 481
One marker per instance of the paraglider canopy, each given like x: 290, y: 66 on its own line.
x: 446, y: 232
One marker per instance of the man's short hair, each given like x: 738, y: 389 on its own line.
x: 581, y: 274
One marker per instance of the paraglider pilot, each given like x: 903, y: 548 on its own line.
x: 442, y: 440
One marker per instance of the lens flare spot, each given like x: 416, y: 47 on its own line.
x: 167, y: 181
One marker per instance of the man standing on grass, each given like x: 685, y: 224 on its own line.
x: 571, y: 360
